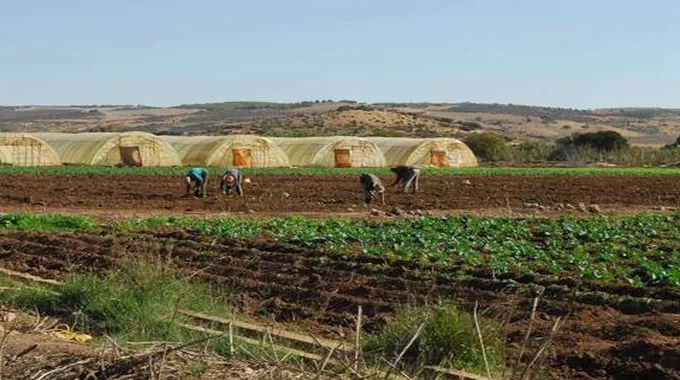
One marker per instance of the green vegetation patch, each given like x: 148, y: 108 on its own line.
x: 311, y: 171
x: 139, y: 302
x: 45, y: 222
x: 448, y: 338
x: 639, y: 250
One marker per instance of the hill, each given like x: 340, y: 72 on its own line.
x: 643, y: 126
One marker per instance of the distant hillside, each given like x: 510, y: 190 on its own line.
x: 358, y: 121
x: 228, y: 106
x: 647, y: 126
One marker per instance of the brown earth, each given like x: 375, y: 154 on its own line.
x: 611, y: 332
x: 282, y: 195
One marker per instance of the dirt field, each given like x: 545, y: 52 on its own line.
x: 282, y: 195
x: 612, y: 332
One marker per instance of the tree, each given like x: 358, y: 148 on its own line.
x: 488, y: 146
x: 603, y: 140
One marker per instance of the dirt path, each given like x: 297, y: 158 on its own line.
x: 612, y: 332
x: 281, y: 195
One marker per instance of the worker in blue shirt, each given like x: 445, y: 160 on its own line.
x: 197, y: 179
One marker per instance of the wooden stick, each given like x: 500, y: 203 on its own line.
x: 555, y: 327
x: 526, y: 337
x: 326, y: 343
x: 253, y: 342
x: 481, y: 341
x: 325, y: 362
x: 394, y: 367
x: 403, y: 352
x: 231, y: 339
x: 357, y: 345
x: 29, y: 277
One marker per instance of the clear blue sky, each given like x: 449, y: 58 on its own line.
x: 585, y: 54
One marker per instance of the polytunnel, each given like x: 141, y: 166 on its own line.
x: 234, y: 150
x: 334, y: 151
x: 438, y: 152
x: 109, y: 149
x: 20, y: 149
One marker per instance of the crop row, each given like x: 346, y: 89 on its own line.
x: 637, y: 250
x: 477, y: 171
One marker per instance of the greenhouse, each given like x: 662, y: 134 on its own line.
x: 20, y: 149
x: 112, y: 149
x: 335, y: 151
x: 235, y: 150
x: 438, y: 152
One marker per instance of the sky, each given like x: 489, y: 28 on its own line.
x: 580, y: 54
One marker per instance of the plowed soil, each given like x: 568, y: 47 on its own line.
x: 611, y: 332
x: 332, y: 194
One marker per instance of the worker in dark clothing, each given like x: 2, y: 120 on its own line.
x: 197, y: 179
x: 232, y: 181
x: 372, y: 186
x: 406, y: 175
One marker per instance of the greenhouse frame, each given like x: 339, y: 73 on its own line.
x: 234, y: 150
x: 333, y: 151
x: 21, y: 149
x: 437, y: 152
x: 112, y: 149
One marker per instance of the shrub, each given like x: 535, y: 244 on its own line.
x: 673, y: 145
x: 489, y: 146
x: 470, y: 125
x: 603, y: 140
x: 533, y: 150
x: 448, y: 338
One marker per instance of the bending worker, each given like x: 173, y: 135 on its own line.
x: 405, y: 176
x: 197, y: 179
x: 372, y: 186
x: 232, y: 181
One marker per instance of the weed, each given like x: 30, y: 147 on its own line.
x: 448, y: 338
x: 139, y: 302
x: 195, y: 369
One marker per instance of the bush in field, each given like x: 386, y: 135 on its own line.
x: 533, y: 150
x: 489, y: 146
x: 603, y: 140
x: 448, y: 338
x: 673, y: 145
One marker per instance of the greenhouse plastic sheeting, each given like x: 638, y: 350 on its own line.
x: 338, y: 151
x: 234, y: 150
x: 20, y: 149
x: 138, y: 148
x: 442, y: 152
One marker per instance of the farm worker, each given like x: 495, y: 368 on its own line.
x: 197, y: 178
x: 372, y: 187
x: 232, y: 181
x: 405, y: 176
